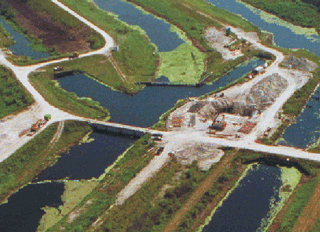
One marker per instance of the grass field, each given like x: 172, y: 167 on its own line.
x: 67, y: 101
x: 14, y: 97
x: 5, y: 41
x: 295, y: 11
x: 137, y: 57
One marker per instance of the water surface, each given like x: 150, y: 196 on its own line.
x: 144, y: 108
x: 249, y: 203
x: 283, y: 36
x: 23, y: 211
x: 22, y: 46
x: 307, y: 128
x: 157, y: 29
x: 88, y: 160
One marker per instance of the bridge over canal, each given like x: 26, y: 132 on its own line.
x: 122, y: 128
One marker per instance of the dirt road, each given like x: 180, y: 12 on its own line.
x: 9, y: 128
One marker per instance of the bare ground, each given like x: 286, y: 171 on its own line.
x: 310, y: 213
x: 198, y: 193
x: 51, y: 33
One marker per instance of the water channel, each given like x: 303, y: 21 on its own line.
x: 283, y: 36
x: 249, y: 203
x: 22, y: 46
x: 142, y: 109
x: 157, y: 30
x: 307, y: 130
x: 241, y: 211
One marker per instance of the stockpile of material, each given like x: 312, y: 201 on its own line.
x: 299, y: 63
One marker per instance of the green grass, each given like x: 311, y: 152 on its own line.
x: 142, y: 211
x: 13, y: 96
x: 185, y: 64
x: 23, y: 165
x: 67, y: 101
x: 186, y: 14
x: 103, y: 71
x: 134, y: 159
x: 5, y: 41
x: 294, y: 105
x: 301, y: 196
x: 294, y: 11
x: 137, y: 57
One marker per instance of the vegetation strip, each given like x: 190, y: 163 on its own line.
x: 136, y: 58
x: 103, y: 196
x: 23, y: 166
x: 300, y: 12
x: 198, y: 193
x: 69, y: 102
x: 13, y: 96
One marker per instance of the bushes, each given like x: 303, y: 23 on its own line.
x: 13, y: 96
x: 294, y: 11
x: 300, y: 199
x: 294, y: 105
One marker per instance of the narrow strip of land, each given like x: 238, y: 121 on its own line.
x: 198, y: 193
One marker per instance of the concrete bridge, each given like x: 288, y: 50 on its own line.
x: 122, y: 128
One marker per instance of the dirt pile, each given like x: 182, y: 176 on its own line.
x: 204, y: 154
x: 266, y: 91
x: 302, y: 64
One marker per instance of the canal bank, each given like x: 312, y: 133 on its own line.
x: 22, y: 46
x: 259, y: 195
x: 145, y: 108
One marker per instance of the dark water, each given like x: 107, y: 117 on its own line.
x: 22, y: 46
x: 307, y: 129
x: 283, y: 36
x: 23, y: 210
x: 88, y: 160
x: 249, y: 203
x: 157, y: 30
x: 144, y: 108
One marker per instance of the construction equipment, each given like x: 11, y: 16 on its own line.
x: 74, y: 55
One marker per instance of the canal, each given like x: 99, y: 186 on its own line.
x: 249, y: 203
x: 22, y: 46
x: 260, y: 185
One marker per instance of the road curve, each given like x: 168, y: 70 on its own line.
x: 22, y: 73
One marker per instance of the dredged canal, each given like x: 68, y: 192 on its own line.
x: 142, y: 109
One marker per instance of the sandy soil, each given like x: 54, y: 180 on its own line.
x: 217, y: 39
